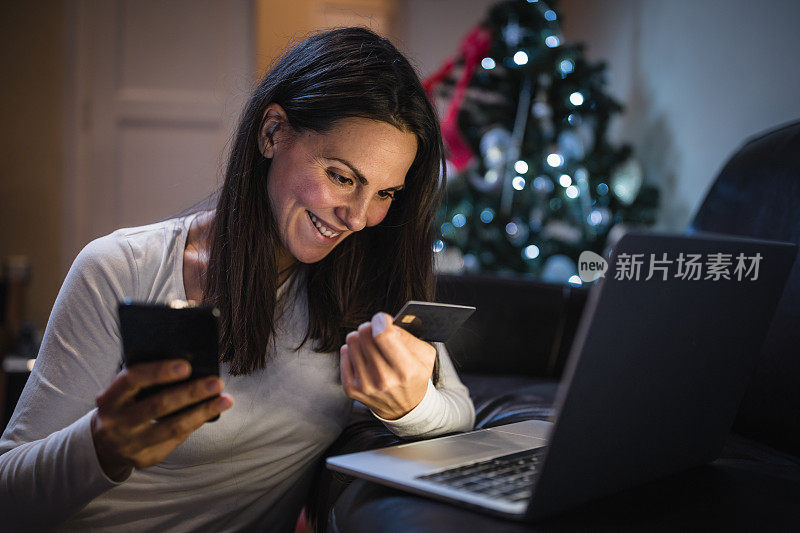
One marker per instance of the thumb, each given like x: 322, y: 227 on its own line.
x: 380, y: 323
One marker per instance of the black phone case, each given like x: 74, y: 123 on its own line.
x: 155, y: 332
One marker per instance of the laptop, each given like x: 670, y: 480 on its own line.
x: 661, y: 360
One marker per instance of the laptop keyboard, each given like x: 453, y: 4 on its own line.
x: 509, y: 477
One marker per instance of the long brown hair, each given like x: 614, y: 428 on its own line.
x: 349, y: 72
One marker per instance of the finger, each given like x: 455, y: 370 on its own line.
x: 346, y: 370
x: 180, y: 426
x: 172, y: 399
x: 373, y: 355
x: 351, y: 382
x: 362, y: 370
x: 388, y: 340
x: 132, y: 379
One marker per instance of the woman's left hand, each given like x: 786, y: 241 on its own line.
x: 385, y: 367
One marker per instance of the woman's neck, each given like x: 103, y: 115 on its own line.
x: 196, y: 253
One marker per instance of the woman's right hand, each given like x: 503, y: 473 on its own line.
x: 131, y: 433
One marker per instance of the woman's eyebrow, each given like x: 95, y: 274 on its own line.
x: 358, y: 174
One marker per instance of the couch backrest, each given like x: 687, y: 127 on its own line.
x: 520, y: 327
x: 757, y: 194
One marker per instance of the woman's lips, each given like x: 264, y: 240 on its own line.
x: 335, y: 234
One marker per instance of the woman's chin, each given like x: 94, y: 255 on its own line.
x: 308, y: 256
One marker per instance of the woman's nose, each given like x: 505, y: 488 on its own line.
x: 354, y: 213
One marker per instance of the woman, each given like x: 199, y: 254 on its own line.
x: 324, y: 218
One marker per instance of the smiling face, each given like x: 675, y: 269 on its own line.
x: 325, y: 186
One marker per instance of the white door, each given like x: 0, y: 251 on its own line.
x: 153, y: 96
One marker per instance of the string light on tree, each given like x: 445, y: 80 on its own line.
x: 488, y: 63
x: 576, y: 98
x: 521, y: 58
x: 555, y: 160
x: 521, y: 167
x: 531, y: 251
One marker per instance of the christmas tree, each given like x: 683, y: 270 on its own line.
x: 532, y: 178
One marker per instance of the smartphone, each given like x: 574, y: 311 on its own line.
x: 178, y: 330
x: 432, y: 321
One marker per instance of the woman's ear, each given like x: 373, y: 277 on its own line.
x: 274, y: 119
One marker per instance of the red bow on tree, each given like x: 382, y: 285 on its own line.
x: 473, y: 49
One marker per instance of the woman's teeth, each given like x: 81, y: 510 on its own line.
x: 322, y: 229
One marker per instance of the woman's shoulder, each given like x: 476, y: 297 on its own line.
x: 137, y: 253
x: 157, y: 237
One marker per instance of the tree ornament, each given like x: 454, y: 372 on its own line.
x: 626, y: 181
x: 449, y: 261
x: 558, y: 268
x: 488, y: 182
x: 495, y: 147
x: 536, y: 219
x: 543, y: 185
x: 571, y: 146
x: 512, y: 34
x: 558, y: 230
x: 471, y: 263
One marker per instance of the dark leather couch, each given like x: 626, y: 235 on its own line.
x: 511, y: 354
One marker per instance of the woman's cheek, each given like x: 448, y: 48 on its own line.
x: 377, y: 212
x: 318, y: 194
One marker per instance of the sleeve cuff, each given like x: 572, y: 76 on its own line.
x: 417, y: 420
x: 89, y: 459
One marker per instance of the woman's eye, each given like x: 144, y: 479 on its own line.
x: 386, y: 195
x: 339, y: 178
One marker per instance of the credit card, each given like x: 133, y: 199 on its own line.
x: 432, y: 321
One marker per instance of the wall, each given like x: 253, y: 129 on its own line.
x: 30, y: 144
x: 434, y: 29
x: 698, y: 78
x: 279, y: 24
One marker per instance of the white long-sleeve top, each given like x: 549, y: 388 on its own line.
x: 250, y: 469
